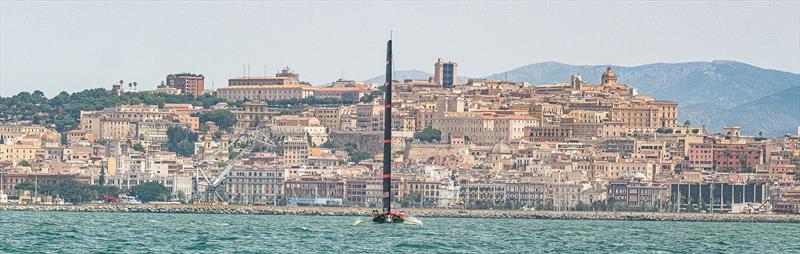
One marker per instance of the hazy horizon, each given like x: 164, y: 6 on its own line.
x: 55, y: 46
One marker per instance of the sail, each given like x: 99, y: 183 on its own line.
x: 387, y: 133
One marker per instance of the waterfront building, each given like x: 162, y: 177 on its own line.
x: 630, y: 194
x: 10, y: 180
x: 314, y: 191
x: 483, y: 195
x: 786, y: 200
x: 178, y: 183
x: 248, y: 185
x: 571, y: 195
x: 717, y: 196
x: 526, y: 194
x: 422, y: 192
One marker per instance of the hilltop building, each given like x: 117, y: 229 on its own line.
x: 187, y: 83
x: 444, y: 73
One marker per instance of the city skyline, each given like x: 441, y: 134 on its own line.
x: 100, y: 53
x: 304, y: 126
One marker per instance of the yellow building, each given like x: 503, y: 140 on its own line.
x: 588, y: 116
x: 21, y: 149
x: 483, y: 129
x: 265, y: 92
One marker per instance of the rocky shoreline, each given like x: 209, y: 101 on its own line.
x: 445, y: 213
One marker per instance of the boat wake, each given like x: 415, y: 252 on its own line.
x: 362, y: 221
x: 412, y: 220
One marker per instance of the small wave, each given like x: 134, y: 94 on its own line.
x: 228, y: 238
x: 300, y: 229
x: 418, y: 246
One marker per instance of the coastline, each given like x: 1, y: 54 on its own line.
x: 417, y: 212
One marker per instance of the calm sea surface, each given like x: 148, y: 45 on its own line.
x: 22, y: 232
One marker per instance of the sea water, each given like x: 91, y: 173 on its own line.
x: 72, y: 232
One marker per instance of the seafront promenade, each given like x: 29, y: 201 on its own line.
x: 451, y: 213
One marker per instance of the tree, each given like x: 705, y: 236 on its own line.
x: 24, y: 163
x: 428, y: 135
x: 150, y: 191
x: 361, y: 155
x: 72, y: 191
x: 329, y: 144
x: 26, y: 185
x: 221, y: 117
x: 181, y: 141
x: 185, y: 148
x: 182, y: 197
x: 64, y: 109
x: 138, y: 147
x: 256, y: 122
x: 105, y: 189
x: 664, y: 130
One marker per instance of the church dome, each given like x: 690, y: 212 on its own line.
x: 500, y: 148
x: 609, y: 73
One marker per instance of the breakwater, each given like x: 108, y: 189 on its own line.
x: 447, y: 213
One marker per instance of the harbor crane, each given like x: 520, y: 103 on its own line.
x: 244, y: 145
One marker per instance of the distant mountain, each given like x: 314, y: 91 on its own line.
x: 719, y: 83
x: 409, y: 74
x: 401, y: 75
x: 708, y: 93
x: 775, y: 114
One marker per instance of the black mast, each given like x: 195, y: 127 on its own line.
x: 387, y: 133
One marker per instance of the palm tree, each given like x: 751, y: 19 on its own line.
x: 130, y: 85
x: 135, y: 84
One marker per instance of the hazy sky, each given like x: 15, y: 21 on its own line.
x: 55, y: 46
